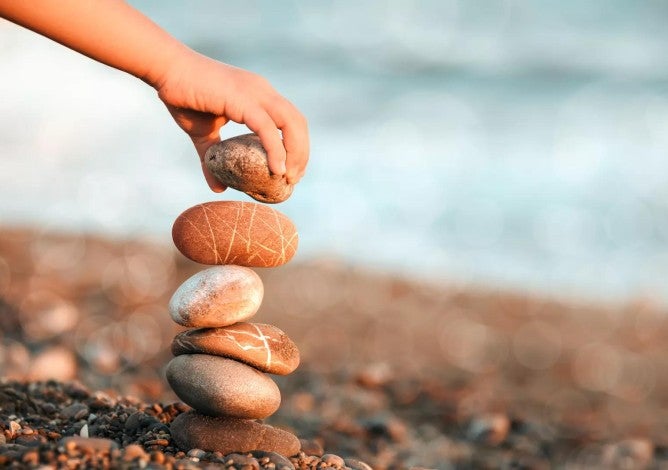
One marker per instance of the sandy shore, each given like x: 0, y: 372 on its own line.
x: 394, y: 372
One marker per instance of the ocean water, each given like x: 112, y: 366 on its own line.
x: 510, y: 143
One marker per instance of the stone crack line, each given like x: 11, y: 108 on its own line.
x: 226, y: 334
x: 201, y: 234
x: 213, y: 237
x: 234, y: 231
x: 248, y: 241
x: 250, y: 228
x: 263, y: 338
x: 277, y: 231
x: 282, y: 236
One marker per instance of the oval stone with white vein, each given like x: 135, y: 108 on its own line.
x: 234, y: 232
x: 264, y: 347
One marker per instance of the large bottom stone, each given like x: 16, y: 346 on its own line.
x: 192, y: 430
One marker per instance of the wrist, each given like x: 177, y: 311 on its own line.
x: 166, y: 64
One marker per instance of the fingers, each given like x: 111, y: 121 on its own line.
x: 295, y: 139
x: 202, y: 145
x: 259, y: 121
x: 204, y: 131
x: 294, y: 127
x: 215, y: 185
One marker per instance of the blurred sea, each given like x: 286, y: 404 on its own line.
x: 508, y: 143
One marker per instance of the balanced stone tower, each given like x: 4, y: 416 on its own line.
x: 221, y: 364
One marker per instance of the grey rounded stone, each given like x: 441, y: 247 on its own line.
x: 241, y: 461
x: 333, y: 460
x: 216, y: 297
x: 355, y: 464
x: 217, y: 386
x: 279, y: 461
x: 228, y: 435
x: 241, y: 163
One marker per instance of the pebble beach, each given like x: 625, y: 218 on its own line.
x: 470, y: 277
x: 394, y: 373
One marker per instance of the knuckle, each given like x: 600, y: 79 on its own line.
x: 258, y: 82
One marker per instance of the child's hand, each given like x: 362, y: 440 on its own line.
x: 203, y: 95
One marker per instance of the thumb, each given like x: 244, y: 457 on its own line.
x: 202, y: 144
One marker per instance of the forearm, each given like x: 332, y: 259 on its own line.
x: 202, y: 94
x: 109, y: 31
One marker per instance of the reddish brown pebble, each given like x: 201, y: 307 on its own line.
x: 333, y: 460
x: 241, y: 163
x: 232, y: 232
x: 218, y: 296
x: 264, y: 347
x: 217, y: 386
x: 134, y: 451
x: 228, y: 435
x: 88, y: 444
x: 157, y: 442
x: 490, y: 428
x: 311, y: 447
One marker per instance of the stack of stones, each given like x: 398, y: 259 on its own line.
x: 220, y: 364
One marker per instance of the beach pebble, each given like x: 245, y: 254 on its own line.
x: 280, y: 462
x: 243, y: 461
x: 355, y: 464
x: 218, y: 386
x: 333, y: 460
x: 241, y: 163
x: 264, y: 347
x: 218, y: 296
x: 233, y: 232
x: 75, y: 411
x: 87, y: 444
x: 311, y: 447
x: 228, y: 435
x: 196, y: 453
x: 489, y: 428
x: 133, y: 452
x: 629, y: 453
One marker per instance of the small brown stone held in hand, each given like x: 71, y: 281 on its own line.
x: 262, y: 346
x: 233, y: 232
x: 192, y: 430
x: 241, y: 163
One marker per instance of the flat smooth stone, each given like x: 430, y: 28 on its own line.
x: 241, y: 163
x: 218, y: 296
x: 192, y: 430
x: 264, y: 347
x: 217, y: 386
x: 234, y: 232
